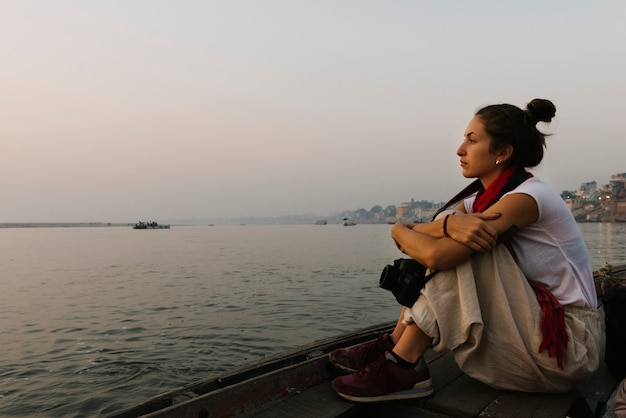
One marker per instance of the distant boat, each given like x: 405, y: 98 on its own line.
x: 321, y: 222
x: 348, y: 222
x: 149, y: 225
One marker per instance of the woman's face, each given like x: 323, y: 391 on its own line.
x: 477, y: 160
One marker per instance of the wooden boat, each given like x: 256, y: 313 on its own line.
x: 297, y: 383
x: 348, y: 222
x: 150, y: 225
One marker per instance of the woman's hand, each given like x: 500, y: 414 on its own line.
x: 396, y: 233
x: 473, y: 231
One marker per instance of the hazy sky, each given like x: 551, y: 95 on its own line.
x: 119, y: 111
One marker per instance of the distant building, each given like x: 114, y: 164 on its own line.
x: 402, y: 210
x: 589, y: 203
x: 616, y: 186
x: 588, y: 191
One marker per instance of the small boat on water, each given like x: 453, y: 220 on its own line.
x: 150, y: 225
x: 321, y: 222
x: 297, y: 383
x: 348, y: 222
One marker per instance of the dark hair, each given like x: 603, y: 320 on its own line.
x: 510, y: 125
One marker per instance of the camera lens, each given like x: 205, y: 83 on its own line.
x: 389, y: 278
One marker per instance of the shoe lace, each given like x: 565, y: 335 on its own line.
x: 372, y: 369
x: 371, y: 349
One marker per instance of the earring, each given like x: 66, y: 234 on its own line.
x: 497, y: 162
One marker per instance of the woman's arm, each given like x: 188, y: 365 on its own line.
x: 470, y: 230
x: 441, y: 252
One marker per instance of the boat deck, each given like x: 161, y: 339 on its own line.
x: 297, y: 384
x: 456, y: 395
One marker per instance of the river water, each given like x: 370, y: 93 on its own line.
x: 97, y: 319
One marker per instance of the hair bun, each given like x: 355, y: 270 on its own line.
x: 541, y: 110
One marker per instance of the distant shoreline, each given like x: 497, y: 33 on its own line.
x: 59, y: 224
x: 25, y: 225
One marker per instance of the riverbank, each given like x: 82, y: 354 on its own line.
x: 59, y: 224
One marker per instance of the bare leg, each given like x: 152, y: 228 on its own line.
x: 413, y: 343
x: 399, y: 329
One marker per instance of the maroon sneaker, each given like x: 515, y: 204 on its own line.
x: 354, y: 358
x: 384, y: 380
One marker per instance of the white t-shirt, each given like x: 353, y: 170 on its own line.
x: 551, y: 250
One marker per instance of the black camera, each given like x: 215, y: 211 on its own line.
x: 404, y: 279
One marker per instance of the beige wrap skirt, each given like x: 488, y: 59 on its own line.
x: 486, y: 312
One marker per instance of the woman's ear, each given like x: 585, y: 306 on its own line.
x: 505, y: 153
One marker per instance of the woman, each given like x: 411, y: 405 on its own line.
x: 520, y: 316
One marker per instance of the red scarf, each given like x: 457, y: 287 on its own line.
x: 489, y: 196
x: 555, y: 336
x: 554, y: 333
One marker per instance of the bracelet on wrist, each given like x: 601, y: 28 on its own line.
x: 445, y: 225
